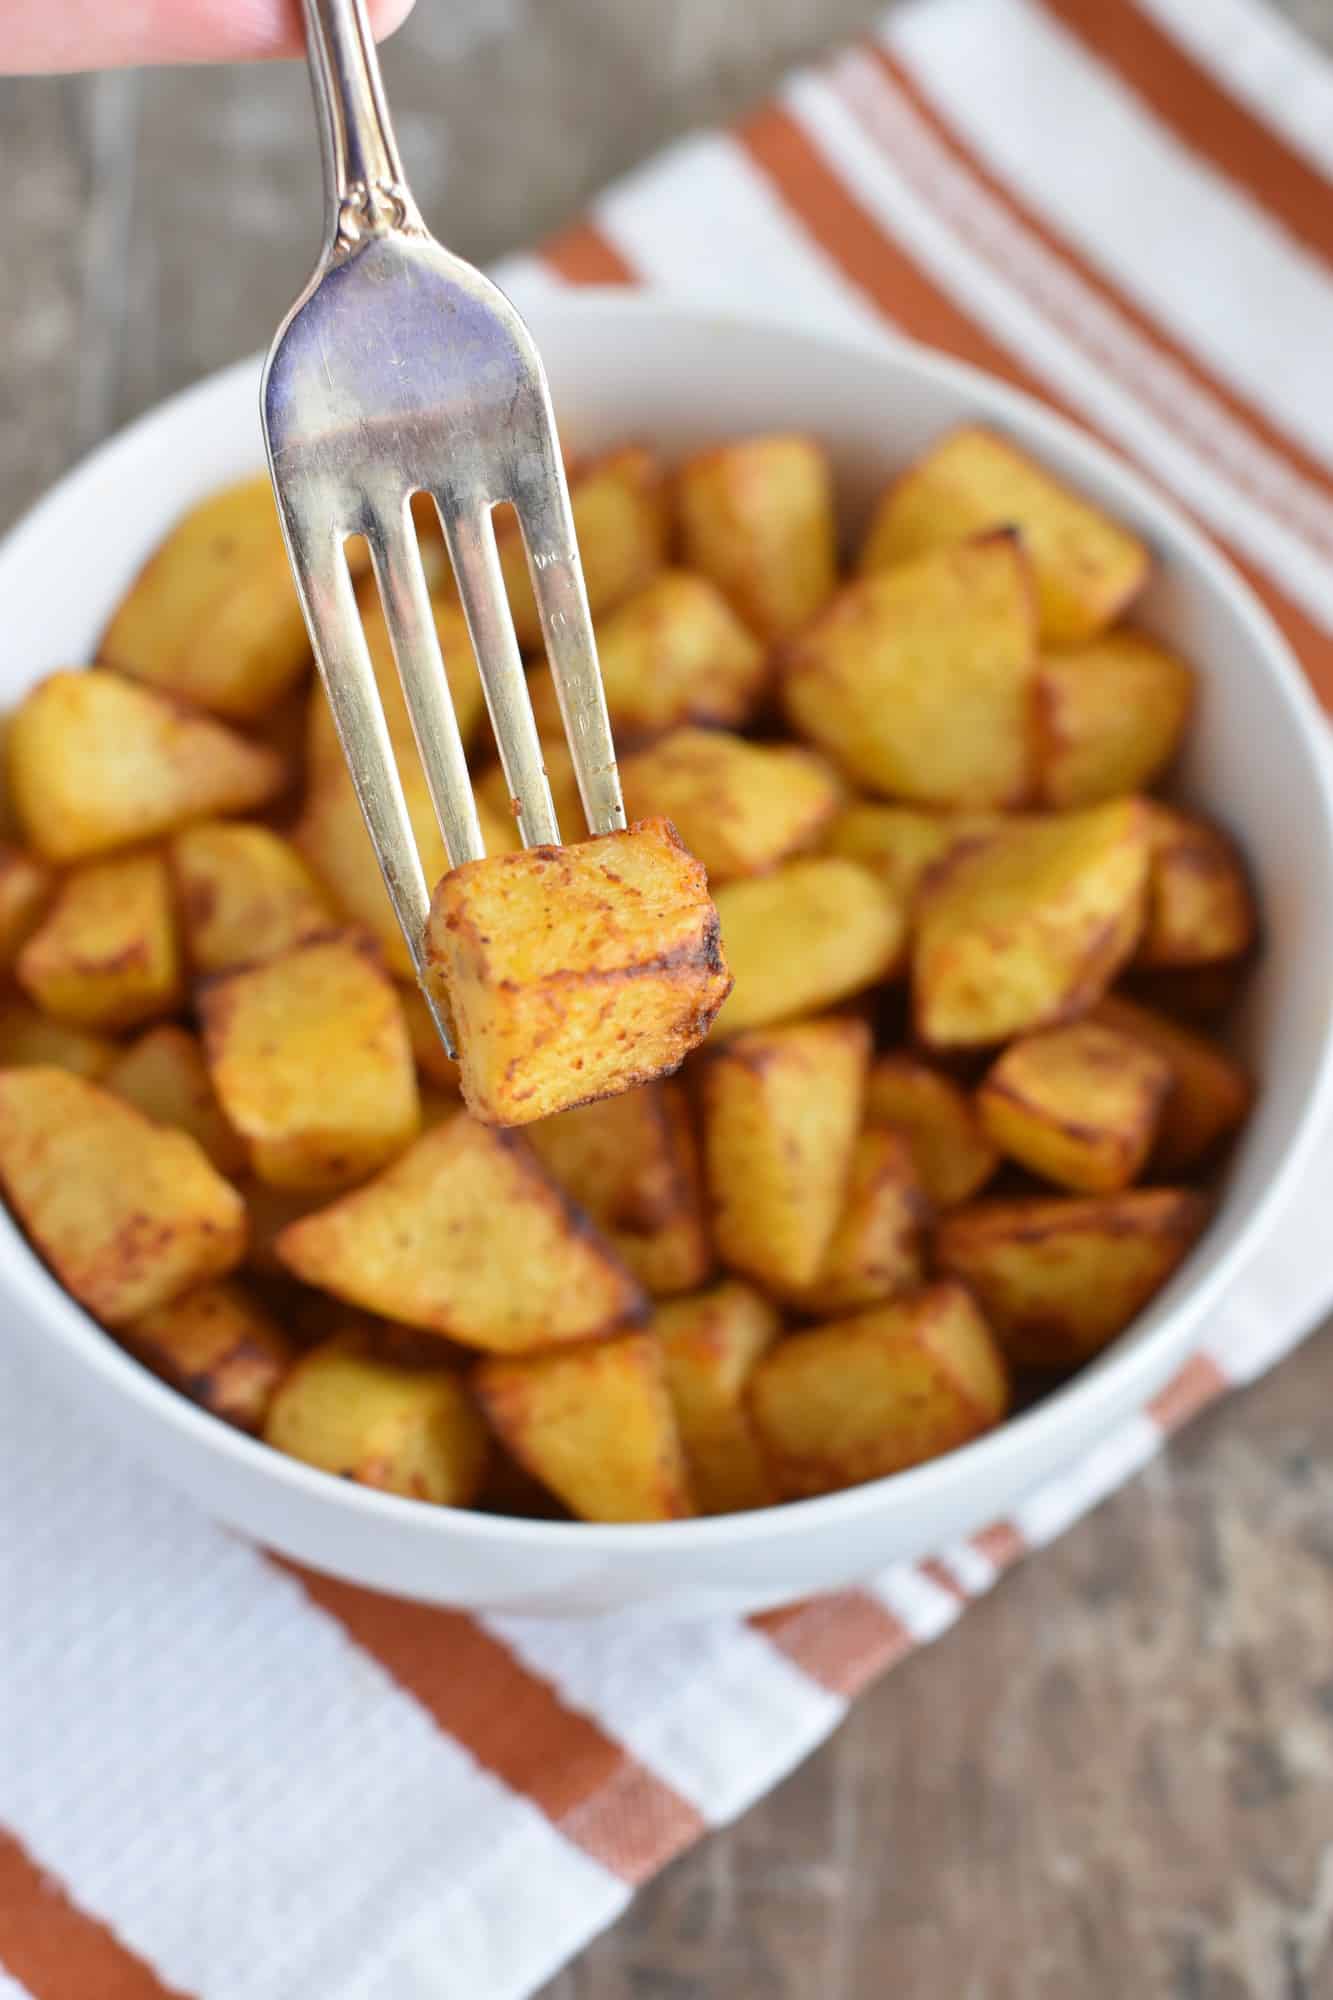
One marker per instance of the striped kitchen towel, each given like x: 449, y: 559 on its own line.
x: 224, y: 1778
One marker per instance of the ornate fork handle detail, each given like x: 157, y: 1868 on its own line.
x: 374, y: 208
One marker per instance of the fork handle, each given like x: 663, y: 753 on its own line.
x: 363, y: 172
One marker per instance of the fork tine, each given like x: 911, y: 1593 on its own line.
x: 562, y: 600
x: 396, y: 557
x: 471, y: 542
x: 343, y: 658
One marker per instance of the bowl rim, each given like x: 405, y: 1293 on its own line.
x: 1122, y: 1377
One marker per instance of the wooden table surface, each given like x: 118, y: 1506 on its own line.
x: 1114, y: 1779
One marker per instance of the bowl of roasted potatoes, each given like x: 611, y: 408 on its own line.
x: 830, y: 1158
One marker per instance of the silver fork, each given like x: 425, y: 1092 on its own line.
x: 402, y: 370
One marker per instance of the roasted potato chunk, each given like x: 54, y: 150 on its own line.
x: 1110, y: 716
x: 332, y: 837
x: 213, y: 615
x: 126, y: 1213
x: 951, y: 1152
x: 803, y: 938
x: 920, y: 680
x: 164, y: 1075
x: 1088, y: 568
x: 414, y: 1431
x: 574, y: 972
x: 1078, y: 1105
x: 1059, y: 1276
x: 26, y: 888
x: 1030, y: 927
x: 310, y: 1058
x: 782, y: 1109
x: 30, y: 1039
x: 739, y: 807
x: 674, y: 653
x: 431, y: 1243
x: 1200, y: 910
x: 757, y: 517
x: 1210, y: 1092
x: 877, y: 1248
x: 220, y: 1347
x: 901, y: 844
x: 96, y: 763
x: 596, y: 1425
x: 245, y: 894
x: 870, y: 1395
x: 106, y: 956
x: 632, y: 1164
x: 710, y: 1343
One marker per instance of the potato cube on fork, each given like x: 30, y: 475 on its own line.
x: 403, y: 370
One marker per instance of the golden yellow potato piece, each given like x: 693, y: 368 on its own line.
x: 595, y: 1424
x: 805, y: 937
x: 782, y: 1109
x: 126, y: 1213
x: 870, y: 1395
x: 1110, y: 715
x: 29, y: 1038
x: 331, y: 835
x: 1210, y: 1094
x: 97, y: 763
x: 674, y: 653
x: 739, y: 807
x: 757, y: 517
x: 920, y: 680
x: 876, y: 1250
x: 460, y: 669
x: 434, y: 1242
x: 632, y: 1163
x: 950, y: 1151
x: 575, y: 972
x: 213, y: 615
x: 311, y: 1061
x: 106, y: 955
x: 622, y: 521
x: 620, y: 510
x: 220, y: 1347
x: 1200, y: 909
x: 901, y: 844
x: 413, y: 1431
x: 164, y: 1075
x: 710, y: 1344
x: 1078, y: 1105
x: 26, y: 888
x: 1059, y: 1276
x: 1030, y: 927
x: 245, y: 894
x: 1088, y: 568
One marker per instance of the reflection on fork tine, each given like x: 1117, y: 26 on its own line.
x: 471, y: 542
x: 562, y: 601
x: 416, y: 648
x: 325, y: 584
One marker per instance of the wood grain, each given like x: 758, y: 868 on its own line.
x: 1114, y: 1779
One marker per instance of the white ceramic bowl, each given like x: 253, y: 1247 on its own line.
x: 623, y: 366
